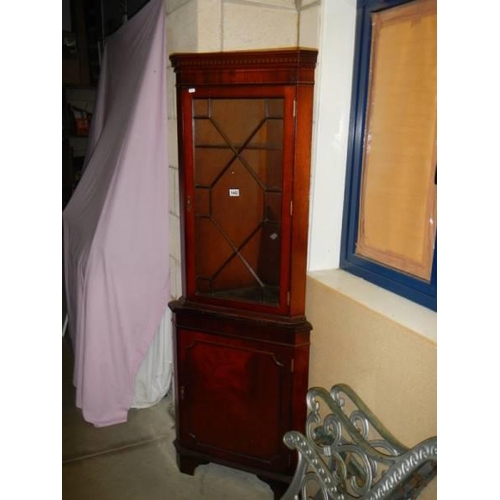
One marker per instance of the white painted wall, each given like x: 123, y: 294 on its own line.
x: 332, y: 108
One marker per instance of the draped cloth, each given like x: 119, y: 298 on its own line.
x: 115, y: 226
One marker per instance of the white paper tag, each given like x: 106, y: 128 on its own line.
x: 234, y: 192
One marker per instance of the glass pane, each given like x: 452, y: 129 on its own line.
x: 202, y: 201
x: 209, y: 262
x: 273, y: 206
x: 237, y: 203
x: 200, y: 108
x: 263, y: 154
x: 238, y: 183
x: 210, y: 163
x: 237, y: 118
x: 397, y: 223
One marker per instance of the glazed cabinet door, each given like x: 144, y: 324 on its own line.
x: 237, y: 168
x: 235, y: 398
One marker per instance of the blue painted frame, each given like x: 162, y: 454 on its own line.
x: 413, y: 288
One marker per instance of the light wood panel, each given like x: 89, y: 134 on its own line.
x: 397, y: 223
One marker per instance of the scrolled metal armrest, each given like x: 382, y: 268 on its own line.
x: 347, y: 453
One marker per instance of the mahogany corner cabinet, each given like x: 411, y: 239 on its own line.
x: 241, y: 338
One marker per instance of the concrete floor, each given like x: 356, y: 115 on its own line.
x: 136, y: 460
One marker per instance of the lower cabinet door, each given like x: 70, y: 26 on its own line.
x: 234, y: 398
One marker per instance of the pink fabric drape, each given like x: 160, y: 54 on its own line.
x: 115, y: 226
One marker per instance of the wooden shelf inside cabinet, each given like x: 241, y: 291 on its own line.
x: 242, y: 340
